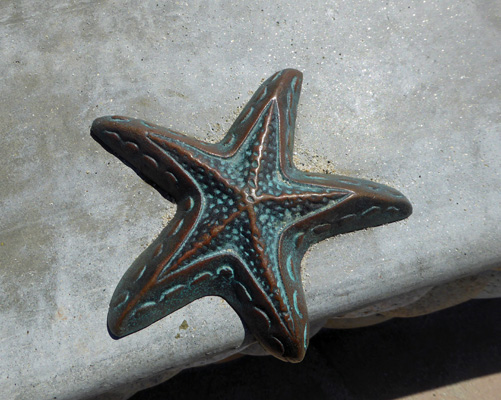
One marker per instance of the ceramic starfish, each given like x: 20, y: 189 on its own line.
x: 245, y: 217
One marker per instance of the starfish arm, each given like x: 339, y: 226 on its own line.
x: 142, y: 303
x: 250, y: 149
x: 284, y: 336
x: 276, y: 329
x: 129, y: 300
x: 138, y: 303
x: 129, y: 140
x: 282, y: 87
x: 366, y: 204
x: 291, y: 249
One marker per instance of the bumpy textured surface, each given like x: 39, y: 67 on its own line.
x: 405, y: 93
x: 245, y: 218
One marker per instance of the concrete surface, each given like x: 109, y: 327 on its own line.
x: 405, y: 93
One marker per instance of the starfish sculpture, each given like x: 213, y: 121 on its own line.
x: 244, y: 220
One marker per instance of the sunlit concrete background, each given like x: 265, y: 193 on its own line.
x: 405, y: 93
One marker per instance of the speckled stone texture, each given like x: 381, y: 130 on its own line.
x: 404, y: 93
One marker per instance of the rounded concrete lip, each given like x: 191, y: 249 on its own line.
x: 410, y: 102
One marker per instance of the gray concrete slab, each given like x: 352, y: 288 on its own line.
x: 405, y: 93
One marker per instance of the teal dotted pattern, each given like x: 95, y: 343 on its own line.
x: 245, y: 218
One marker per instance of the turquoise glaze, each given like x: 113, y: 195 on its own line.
x: 244, y: 220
